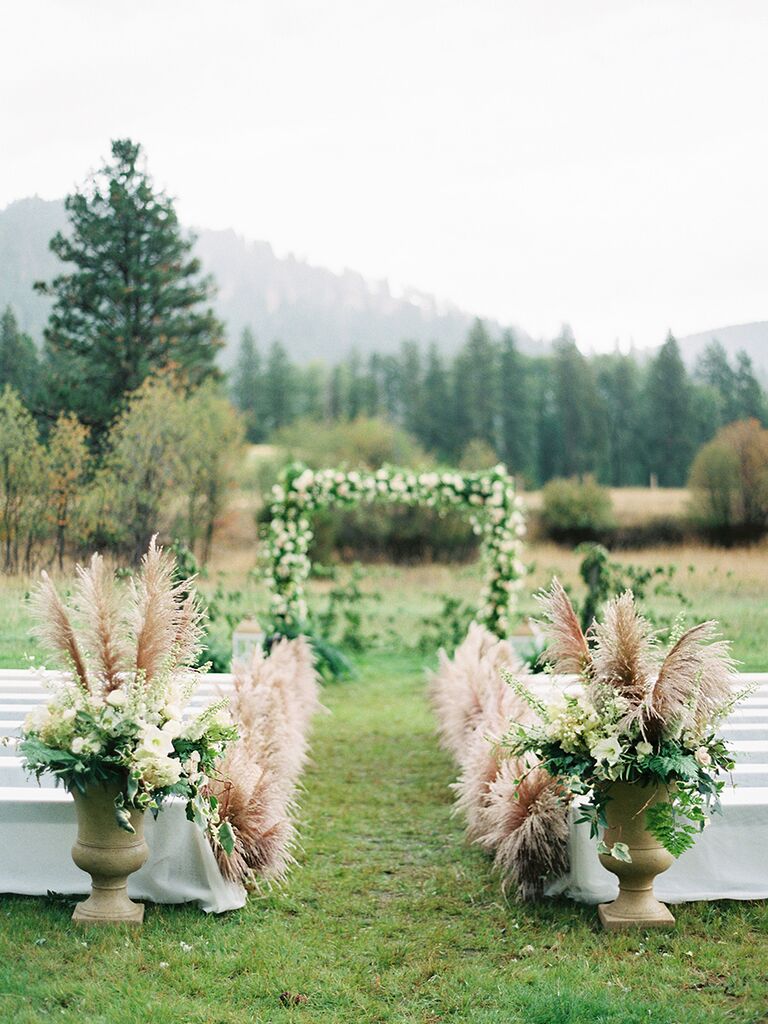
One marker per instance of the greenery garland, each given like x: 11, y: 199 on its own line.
x: 495, y: 513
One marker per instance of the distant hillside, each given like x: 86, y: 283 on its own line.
x: 752, y: 338
x: 316, y: 313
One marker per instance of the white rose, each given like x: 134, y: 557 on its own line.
x: 608, y: 750
x: 77, y: 745
x: 154, y: 743
x: 68, y: 714
x: 172, y: 727
x: 644, y: 749
x: 117, y: 698
x: 703, y: 757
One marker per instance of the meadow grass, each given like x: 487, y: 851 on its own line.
x: 388, y: 917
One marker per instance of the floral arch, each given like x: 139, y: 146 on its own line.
x: 494, y: 510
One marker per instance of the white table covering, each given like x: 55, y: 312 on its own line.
x: 38, y: 827
x: 727, y: 862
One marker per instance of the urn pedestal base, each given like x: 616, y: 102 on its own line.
x: 109, y: 854
x: 619, y: 917
x: 636, y: 905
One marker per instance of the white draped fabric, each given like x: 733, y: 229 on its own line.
x: 728, y: 860
x: 37, y: 826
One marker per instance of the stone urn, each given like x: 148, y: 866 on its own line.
x: 636, y: 906
x: 109, y: 855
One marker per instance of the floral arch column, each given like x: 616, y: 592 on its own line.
x: 495, y: 512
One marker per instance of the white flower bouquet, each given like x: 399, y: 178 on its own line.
x: 643, y: 715
x: 116, y: 718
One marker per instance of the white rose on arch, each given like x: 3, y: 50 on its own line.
x: 500, y: 526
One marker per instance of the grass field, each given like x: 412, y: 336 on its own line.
x: 389, y: 917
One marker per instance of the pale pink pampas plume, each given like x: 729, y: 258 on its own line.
x: 525, y: 826
x: 528, y: 829
x: 462, y: 687
x: 153, y: 627
x: 693, y: 683
x: 55, y: 630
x: 567, y: 649
x: 272, y: 701
x: 104, y: 626
x: 166, y: 620
x: 253, y: 804
x: 624, y: 653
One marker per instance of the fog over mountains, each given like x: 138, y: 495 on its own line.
x: 315, y: 312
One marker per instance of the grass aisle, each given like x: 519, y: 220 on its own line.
x: 388, y: 918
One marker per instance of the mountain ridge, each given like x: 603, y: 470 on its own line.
x: 314, y: 311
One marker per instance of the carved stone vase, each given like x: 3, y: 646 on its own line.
x: 636, y: 906
x: 109, y: 855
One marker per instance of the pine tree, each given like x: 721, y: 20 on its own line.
x: 749, y: 397
x: 135, y: 299
x: 580, y: 412
x: 517, y: 433
x: 714, y: 371
x: 19, y: 362
x: 248, y: 387
x: 279, y: 388
x: 618, y: 380
x: 476, y: 388
x: 667, y: 416
x: 410, y: 385
x: 435, y: 419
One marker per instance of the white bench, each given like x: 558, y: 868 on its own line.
x: 37, y: 823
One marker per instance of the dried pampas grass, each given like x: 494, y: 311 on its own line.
x: 272, y: 702
x: 523, y: 824
x: 684, y: 690
x: 463, y: 686
x: 567, y: 649
x: 152, y: 626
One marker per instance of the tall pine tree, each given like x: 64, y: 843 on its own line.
x: 667, y: 417
x: 19, y: 362
x: 517, y: 425
x: 134, y: 300
x: 248, y: 386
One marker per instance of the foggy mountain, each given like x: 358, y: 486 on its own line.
x: 752, y: 338
x: 315, y: 312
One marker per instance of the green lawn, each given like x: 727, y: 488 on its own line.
x: 389, y: 916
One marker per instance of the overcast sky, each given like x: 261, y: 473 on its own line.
x: 601, y: 162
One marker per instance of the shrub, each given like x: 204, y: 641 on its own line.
x: 575, y: 510
x: 478, y: 455
x: 361, y: 443
x: 729, y: 483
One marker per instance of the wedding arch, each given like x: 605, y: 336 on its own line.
x: 494, y: 510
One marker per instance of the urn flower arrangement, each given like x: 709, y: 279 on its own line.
x: 637, y: 742
x: 114, y: 731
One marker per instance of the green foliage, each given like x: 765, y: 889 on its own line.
x: 19, y: 361
x: 448, y: 627
x: 729, y: 482
x: 134, y: 302
x: 342, y: 618
x: 575, y: 509
x: 363, y: 442
x: 606, y: 578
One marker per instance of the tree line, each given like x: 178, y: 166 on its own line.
x: 122, y: 422
x: 560, y: 415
